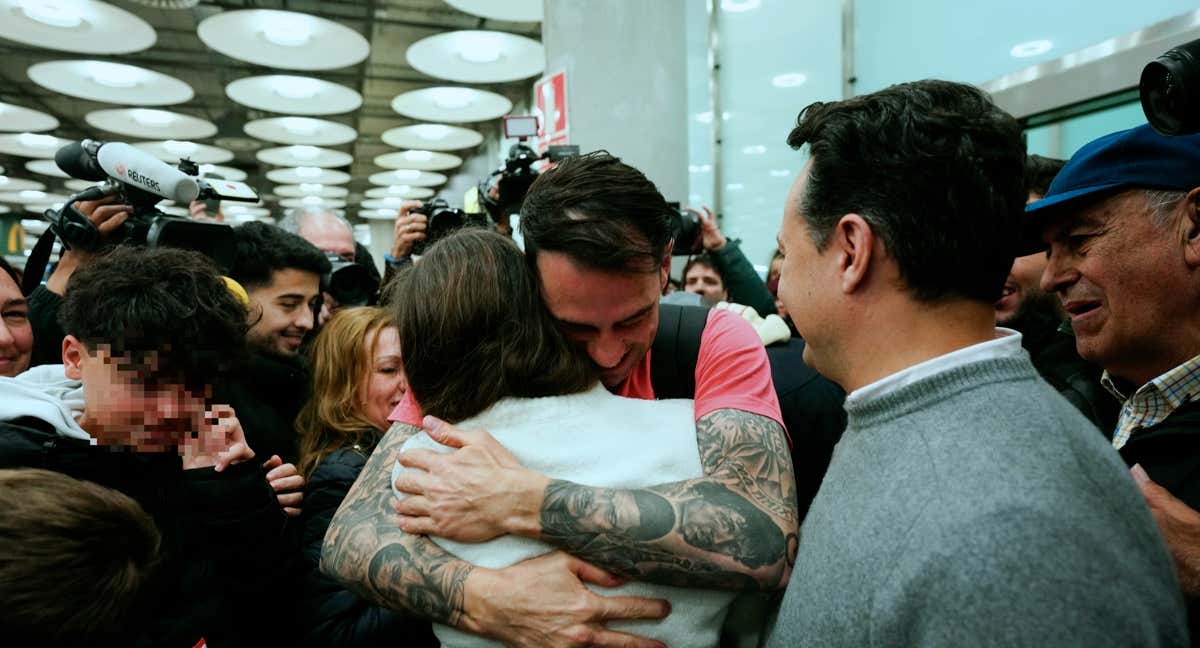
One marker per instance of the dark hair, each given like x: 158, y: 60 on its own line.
x: 600, y: 212
x: 10, y: 271
x: 1040, y: 172
x: 935, y: 168
x: 703, y: 259
x: 163, y: 306
x: 473, y: 329
x: 78, y: 560
x: 263, y: 250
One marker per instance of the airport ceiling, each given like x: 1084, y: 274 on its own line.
x: 390, y: 26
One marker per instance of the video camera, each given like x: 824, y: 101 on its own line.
x: 140, y: 180
x: 503, y: 191
x: 1170, y: 90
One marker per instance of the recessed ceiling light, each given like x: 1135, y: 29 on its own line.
x: 407, y: 174
x: 176, y: 147
x: 311, y: 187
x: 757, y: 149
x: 300, y: 125
x: 735, y: 186
x: 479, y: 47
x: 789, y: 79
x: 296, y: 87
x: 740, y: 5
x: 431, y: 131
x: 1031, y: 48
x: 114, y: 75
x: 780, y: 173
x: 56, y: 13
x: 707, y: 117
x: 308, y: 172
x: 288, y: 31
x: 152, y: 118
x: 304, y: 152
x: 418, y: 156
x: 699, y: 168
x: 32, y: 194
x: 452, y: 98
x: 34, y: 140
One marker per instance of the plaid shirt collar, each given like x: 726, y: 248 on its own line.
x: 1153, y: 402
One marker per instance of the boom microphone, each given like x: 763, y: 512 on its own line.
x: 144, y: 171
x: 96, y: 161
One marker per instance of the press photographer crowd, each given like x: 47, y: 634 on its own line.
x: 960, y: 407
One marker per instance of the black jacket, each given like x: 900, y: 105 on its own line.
x: 329, y: 614
x: 1051, y: 347
x: 267, y: 395
x: 741, y: 280
x: 47, y: 334
x: 221, y: 531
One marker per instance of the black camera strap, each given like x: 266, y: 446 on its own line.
x: 35, y: 266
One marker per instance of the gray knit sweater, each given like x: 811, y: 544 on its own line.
x: 977, y: 507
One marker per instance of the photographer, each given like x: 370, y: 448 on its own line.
x: 740, y: 280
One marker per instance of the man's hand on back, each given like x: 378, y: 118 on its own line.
x: 474, y: 494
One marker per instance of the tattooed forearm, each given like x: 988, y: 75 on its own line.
x: 372, y: 557
x: 729, y: 530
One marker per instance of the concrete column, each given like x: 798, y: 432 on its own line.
x: 626, y: 82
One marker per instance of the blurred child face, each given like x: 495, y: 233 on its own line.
x: 385, y: 384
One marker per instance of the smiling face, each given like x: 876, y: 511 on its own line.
x: 16, y: 332
x: 281, y: 312
x: 613, y: 315
x: 384, y: 384
x: 1124, y: 282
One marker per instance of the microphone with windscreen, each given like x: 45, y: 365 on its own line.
x: 97, y: 161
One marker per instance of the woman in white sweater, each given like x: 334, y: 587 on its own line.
x: 480, y: 351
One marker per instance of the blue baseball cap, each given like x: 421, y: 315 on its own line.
x: 1139, y: 157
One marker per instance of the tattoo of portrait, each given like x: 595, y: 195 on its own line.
x: 371, y: 556
x: 728, y: 530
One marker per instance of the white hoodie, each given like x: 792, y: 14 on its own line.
x: 45, y: 393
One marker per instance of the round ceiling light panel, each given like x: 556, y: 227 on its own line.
x: 400, y: 191
x: 511, y: 10
x: 472, y: 56
x: 110, y: 83
x: 294, y: 95
x: 31, y: 197
x: 308, y: 175
x: 225, y: 172
x: 300, y: 130
x: 432, y: 137
x: 9, y: 185
x: 46, y: 168
x: 19, y: 119
x: 77, y: 185
x: 408, y: 177
x: 313, y: 201
x: 172, y: 151
x: 419, y: 160
x: 311, y: 189
x: 236, y: 209
x: 83, y: 26
x: 32, y: 145
x: 451, y: 104
x: 304, y: 155
x: 152, y: 123
x: 283, y: 39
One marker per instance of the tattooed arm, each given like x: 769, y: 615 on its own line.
x: 539, y: 602
x: 365, y: 551
x: 735, y: 528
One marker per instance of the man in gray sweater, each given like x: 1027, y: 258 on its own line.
x: 967, y: 503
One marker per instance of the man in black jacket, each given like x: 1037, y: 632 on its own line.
x: 1122, y: 223
x: 148, y: 331
x: 281, y: 273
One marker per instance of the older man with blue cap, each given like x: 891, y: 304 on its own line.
x: 1122, y: 224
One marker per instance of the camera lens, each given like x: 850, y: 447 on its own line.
x: 1170, y: 90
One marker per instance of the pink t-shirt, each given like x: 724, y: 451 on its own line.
x: 732, y: 372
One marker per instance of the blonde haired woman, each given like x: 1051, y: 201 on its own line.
x: 357, y: 379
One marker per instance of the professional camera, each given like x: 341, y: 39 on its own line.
x: 442, y: 221
x: 1170, y: 90
x: 142, y: 181
x: 685, y: 226
x: 503, y: 191
x: 349, y: 282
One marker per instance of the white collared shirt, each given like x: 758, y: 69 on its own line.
x: 1006, y: 344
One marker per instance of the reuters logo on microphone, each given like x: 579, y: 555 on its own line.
x: 120, y: 169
